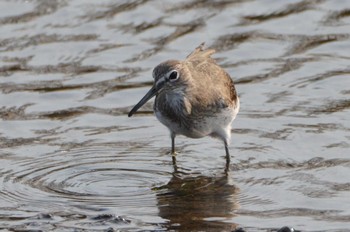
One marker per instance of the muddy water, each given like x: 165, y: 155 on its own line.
x: 71, y: 159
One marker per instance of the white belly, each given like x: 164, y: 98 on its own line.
x: 217, y: 125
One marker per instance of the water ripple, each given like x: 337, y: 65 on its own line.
x: 71, y: 159
x: 96, y: 175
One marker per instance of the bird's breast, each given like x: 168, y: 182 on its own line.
x: 181, y: 117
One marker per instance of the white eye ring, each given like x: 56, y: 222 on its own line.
x: 173, y: 76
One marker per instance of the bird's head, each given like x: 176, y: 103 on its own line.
x: 168, y: 77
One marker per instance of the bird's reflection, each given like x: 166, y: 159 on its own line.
x: 193, y: 203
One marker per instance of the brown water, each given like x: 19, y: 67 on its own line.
x: 71, y: 159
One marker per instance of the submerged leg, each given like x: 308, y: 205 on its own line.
x: 174, y: 163
x: 173, y: 153
x: 228, y: 159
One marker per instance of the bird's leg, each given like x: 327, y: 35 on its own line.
x: 227, y: 157
x: 174, y: 163
x: 173, y: 153
x: 172, y: 135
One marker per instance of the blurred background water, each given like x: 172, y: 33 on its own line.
x: 71, y: 159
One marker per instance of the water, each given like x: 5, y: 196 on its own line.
x: 73, y: 161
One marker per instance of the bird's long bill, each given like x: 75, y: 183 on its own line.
x: 148, y: 96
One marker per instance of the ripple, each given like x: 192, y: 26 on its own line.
x: 96, y: 175
x: 71, y: 70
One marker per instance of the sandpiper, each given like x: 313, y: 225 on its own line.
x: 194, y: 97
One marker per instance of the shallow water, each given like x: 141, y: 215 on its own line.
x: 72, y: 159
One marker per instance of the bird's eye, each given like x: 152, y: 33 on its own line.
x: 173, y: 76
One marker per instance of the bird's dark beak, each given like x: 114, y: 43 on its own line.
x: 148, y: 96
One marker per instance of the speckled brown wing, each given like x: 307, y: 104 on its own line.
x: 212, y: 87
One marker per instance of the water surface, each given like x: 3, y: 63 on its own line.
x: 73, y: 161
